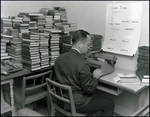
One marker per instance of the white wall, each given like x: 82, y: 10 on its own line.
x: 89, y: 15
x: 12, y: 8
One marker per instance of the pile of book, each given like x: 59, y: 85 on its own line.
x: 143, y: 65
x: 53, y: 44
x: 4, y: 41
x: 73, y: 26
x: 96, y: 42
x: 49, y: 21
x: 40, y: 20
x: 66, y: 43
x: 63, y: 13
x: 36, y: 51
x: 15, y: 49
x: 30, y: 51
x: 44, y: 10
x: 44, y: 50
x: 6, y: 23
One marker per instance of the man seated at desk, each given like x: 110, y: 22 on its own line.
x: 73, y: 70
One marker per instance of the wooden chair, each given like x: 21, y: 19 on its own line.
x: 51, y: 89
x: 32, y: 91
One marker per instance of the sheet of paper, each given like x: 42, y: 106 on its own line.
x: 120, y: 75
x: 124, y: 21
x: 131, y: 75
x: 116, y: 79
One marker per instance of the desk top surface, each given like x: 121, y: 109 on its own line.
x: 108, y: 79
x: 22, y: 73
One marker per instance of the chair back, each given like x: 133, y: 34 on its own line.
x: 34, y: 83
x: 53, y: 88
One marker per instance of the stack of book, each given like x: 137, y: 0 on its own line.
x: 53, y: 44
x: 40, y: 20
x: 14, y: 33
x: 44, y: 10
x: 50, y: 12
x: 143, y: 64
x: 30, y: 51
x: 23, y: 14
x: 66, y: 27
x: 56, y: 17
x: 24, y: 28
x: 73, y: 26
x: 43, y: 49
x: 15, y: 49
x: 6, y: 23
x: 143, y: 76
x: 16, y: 19
x: 63, y: 16
x: 33, y: 26
x: 26, y: 17
x: 49, y: 21
x: 96, y: 42
x: 66, y: 43
x: 4, y: 53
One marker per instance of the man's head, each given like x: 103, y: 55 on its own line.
x: 82, y: 41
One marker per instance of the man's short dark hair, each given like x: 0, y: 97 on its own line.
x: 79, y: 35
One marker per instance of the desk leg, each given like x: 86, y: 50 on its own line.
x: 12, y: 99
x: 142, y: 99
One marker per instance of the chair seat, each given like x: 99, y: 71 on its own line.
x: 30, y: 96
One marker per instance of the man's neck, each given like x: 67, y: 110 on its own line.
x: 76, y: 49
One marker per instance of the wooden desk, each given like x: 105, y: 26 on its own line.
x: 9, y: 79
x: 124, y: 95
x: 23, y: 72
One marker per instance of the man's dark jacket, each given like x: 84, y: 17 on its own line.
x: 73, y: 70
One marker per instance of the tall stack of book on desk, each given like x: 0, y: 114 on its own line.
x: 96, y: 42
x: 143, y: 64
x: 53, y: 44
x: 30, y: 51
x: 34, y: 50
x: 66, y: 43
x: 44, y: 50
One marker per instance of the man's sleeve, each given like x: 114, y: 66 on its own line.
x: 87, y: 82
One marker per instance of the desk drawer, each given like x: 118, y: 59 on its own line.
x: 109, y: 89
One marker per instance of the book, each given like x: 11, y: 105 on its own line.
x: 5, y: 57
x: 144, y: 81
x: 144, y: 73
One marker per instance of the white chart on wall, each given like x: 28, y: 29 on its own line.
x: 123, y: 28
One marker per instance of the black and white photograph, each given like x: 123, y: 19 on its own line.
x: 74, y: 58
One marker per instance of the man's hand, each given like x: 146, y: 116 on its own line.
x: 97, y: 73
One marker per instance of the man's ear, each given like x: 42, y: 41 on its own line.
x: 80, y: 44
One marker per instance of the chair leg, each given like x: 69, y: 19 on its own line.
x: 34, y: 105
x: 48, y: 105
x: 52, y: 111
